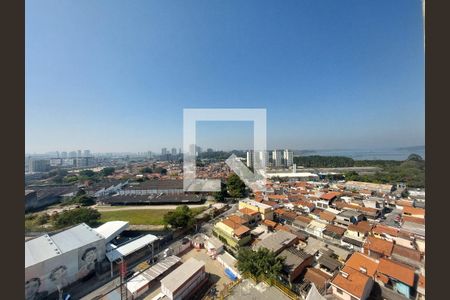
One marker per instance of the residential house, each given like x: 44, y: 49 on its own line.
x: 408, y: 256
x: 414, y: 212
x: 301, y: 222
x: 295, y: 263
x: 318, y: 277
x: 370, y: 213
x: 363, y: 263
x: 378, y: 248
x: 396, y: 276
x: 251, y: 216
x: 233, y: 234
x: 265, y: 210
x: 277, y: 241
x: 351, y: 284
x: 333, y: 233
x: 356, y: 234
x: 329, y: 264
x: 348, y: 217
x: 316, y: 228
x: 305, y: 206
x: 327, y: 217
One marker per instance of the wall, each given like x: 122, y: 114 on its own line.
x: 63, y: 269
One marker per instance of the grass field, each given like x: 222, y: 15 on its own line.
x: 139, y: 216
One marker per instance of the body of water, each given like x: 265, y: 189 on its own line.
x: 375, y: 154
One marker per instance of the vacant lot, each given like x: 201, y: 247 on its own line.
x: 139, y: 216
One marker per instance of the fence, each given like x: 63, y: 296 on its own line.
x: 273, y: 282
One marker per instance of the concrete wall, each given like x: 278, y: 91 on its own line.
x: 63, y: 269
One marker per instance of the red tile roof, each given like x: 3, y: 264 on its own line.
x: 379, y: 246
x: 327, y: 216
x: 359, y: 260
x: 385, y: 229
x: 413, y: 220
x: 237, y: 219
x: 355, y: 283
x: 362, y: 226
x: 406, y: 252
x: 397, y: 271
x: 241, y: 230
x: 330, y: 195
x: 413, y: 211
x: 248, y: 211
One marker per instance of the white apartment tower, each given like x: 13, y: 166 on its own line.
x: 288, y: 158
x: 250, y: 158
x: 276, y: 158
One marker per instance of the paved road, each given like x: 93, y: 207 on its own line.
x: 106, y: 284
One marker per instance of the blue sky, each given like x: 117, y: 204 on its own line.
x: 116, y: 75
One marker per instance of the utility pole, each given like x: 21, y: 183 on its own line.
x: 123, y: 286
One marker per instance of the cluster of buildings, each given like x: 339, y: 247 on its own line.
x: 351, y: 240
x: 275, y: 158
x: 78, y: 159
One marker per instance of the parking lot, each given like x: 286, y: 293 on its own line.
x: 212, y: 266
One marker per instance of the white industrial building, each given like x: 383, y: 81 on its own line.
x: 184, y: 280
x: 54, y: 262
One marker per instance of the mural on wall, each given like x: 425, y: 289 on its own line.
x: 32, y: 287
x: 59, y: 277
x: 87, y: 262
x: 57, y: 273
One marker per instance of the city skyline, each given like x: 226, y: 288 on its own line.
x: 330, y: 76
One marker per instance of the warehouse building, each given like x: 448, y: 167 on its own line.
x: 53, y: 262
x: 56, y: 261
x: 185, y: 280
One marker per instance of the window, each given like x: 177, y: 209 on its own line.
x: 353, y: 298
x: 339, y: 291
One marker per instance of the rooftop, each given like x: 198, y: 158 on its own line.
x: 379, y: 245
x: 131, y: 247
x: 277, y: 241
x: 361, y: 262
x: 180, y: 275
x: 351, y: 281
x: 397, y: 271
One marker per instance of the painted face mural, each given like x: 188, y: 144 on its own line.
x: 31, y: 288
x: 90, y: 255
x: 58, y: 274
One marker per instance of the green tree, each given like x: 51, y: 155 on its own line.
x: 235, y: 186
x: 146, y: 170
x: 42, y: 219
x: 87, y: 173
x: 181, y: 217
x: 107, y: 171
x: 415, y: 157
x: 76, y: 216
x: 259, y: 262
x: 220, y: 196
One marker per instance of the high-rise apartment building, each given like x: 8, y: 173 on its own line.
x: 288, y: 157
x: 39, y: 165
x: 174, y: 151
x: 277, y: 158
x: 250, y: 158
x: 164, y: 151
